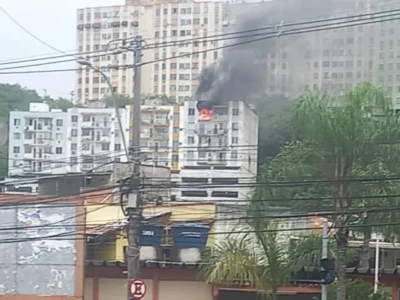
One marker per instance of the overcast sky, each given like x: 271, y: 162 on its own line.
x: 53, y: 21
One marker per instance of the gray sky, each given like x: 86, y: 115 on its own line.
x: 53, y: 21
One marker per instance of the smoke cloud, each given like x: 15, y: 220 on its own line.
x: 241, y: 73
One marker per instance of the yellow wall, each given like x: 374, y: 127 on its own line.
x: 103, y: 214
x: 115, y: 289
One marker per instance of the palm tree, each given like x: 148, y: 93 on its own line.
x: 337, y: 141
x: 258, y: 259
x: 257, y: 253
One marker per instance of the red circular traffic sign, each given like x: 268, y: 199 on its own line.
x: 137, y: 288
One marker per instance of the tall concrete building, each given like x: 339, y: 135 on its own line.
x: 158, y: 23
x: 218, y: 155
x: 332, y: 60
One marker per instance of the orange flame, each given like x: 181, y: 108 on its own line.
x: 206, y: 114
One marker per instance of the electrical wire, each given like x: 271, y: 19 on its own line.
x: 73, y: 234
x: 30, y: 33
x: 278, y: 34
x: 299, y: 22
x: 12, y: 62
x: 292, y: 32
x: 359, y: 17
x: 164, y: 44
x: 47, y: 63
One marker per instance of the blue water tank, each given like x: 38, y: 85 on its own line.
x: 190, y: 235
x: 151, y: 235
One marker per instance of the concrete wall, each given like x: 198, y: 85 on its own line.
x: 38, y: 247
x: 115, y: 289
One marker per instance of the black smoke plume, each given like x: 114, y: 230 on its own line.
x: 241, y: 73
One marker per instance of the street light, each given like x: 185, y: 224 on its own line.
x: 86, y: 63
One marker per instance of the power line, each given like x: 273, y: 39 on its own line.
x: 30, y: 33
x: 46, y: 63
x: 46, y: 58
x: 73, y: 234
x: 318, y: 19
x: 291, y: 32
x: 28, y: 58
x: 370, y: 16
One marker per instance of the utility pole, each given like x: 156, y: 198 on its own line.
x: 72, y: 94
x: 134, y: 205
x: 376, y: 280
x: 324, y: 255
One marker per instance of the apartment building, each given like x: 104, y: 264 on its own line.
x: 38, y: 141
x: 96, y: 27
x: 169, y: 23
x: 159, y: 137
x: 56, y: 142
x: 96, y: 139
x: 331, y: 60
x: 218, y: 155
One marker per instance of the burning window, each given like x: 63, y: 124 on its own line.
x: 206, y: 114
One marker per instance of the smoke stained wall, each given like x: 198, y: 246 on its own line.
x: 242, y: 73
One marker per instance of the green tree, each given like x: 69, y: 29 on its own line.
x: 120, y: 99
x: 337, y: 142
x: 60, y: 103
x: 257, y: 254
x: 14, y: 97
x: 358, y: 289
x: 3, y: 161
x: 274, y: 125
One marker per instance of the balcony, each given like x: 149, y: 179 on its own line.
x: 105, y: 139
x: 161, y: 123
x: 161, y: 137
x: 87, y: 166
x: 40, y: 142
x: 212, y: 161
x: 87, y: 124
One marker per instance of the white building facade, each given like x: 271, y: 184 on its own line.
x: 48, y: 141
x: 218, y: 157
x: 38, y: 141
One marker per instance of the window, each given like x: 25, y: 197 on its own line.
x: 194, y: 180
x: 194, y: 193
x: 74, y: 146
x: 234, y: 154
x: 28, y: 149
x: 16, y: 150
x: 224, y: 194
x: 191, y: 112
x: 17, y: 122
x: 105, y: 147
x: 235, y: 111
x: 17, y: 136
x: 235, y: 140
x: 59, y: 122
x: 74, y: 132
x: 235, y: 126
x: 59, y: 136
x: 59, y: 150
x: 117, y: 147
x: 191, y: 140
